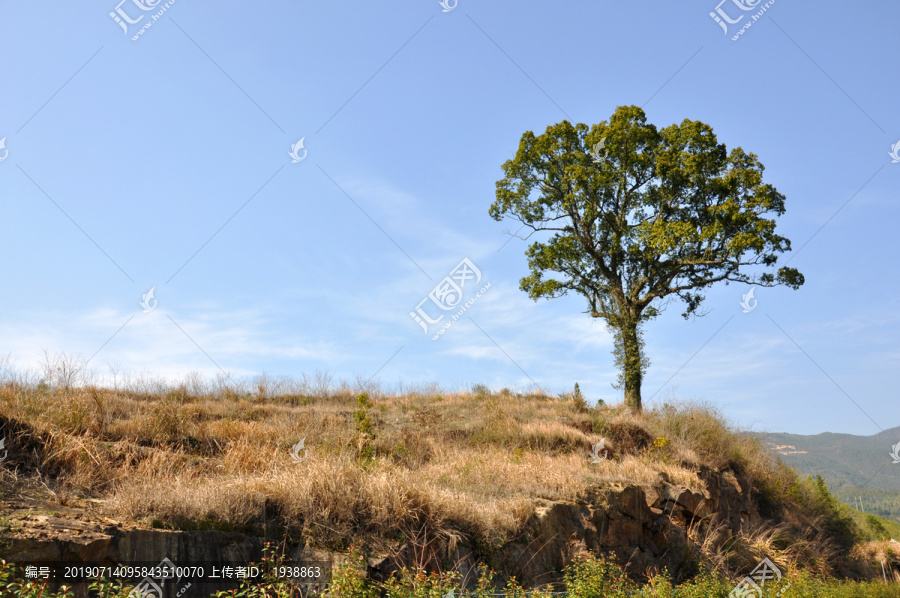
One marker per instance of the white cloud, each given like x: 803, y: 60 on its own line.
x: 152, y: 341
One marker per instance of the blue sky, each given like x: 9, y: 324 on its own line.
x: 163, y: 162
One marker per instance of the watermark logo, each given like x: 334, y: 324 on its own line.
x: 295, y: 151
x: 149, y: 588
x: 448, y: 295
x: 123, y: 19
x: 894, y: 153
x: 295, y: 452
x: 3, y: 151
x: 748, y: 302
x: 595, y: 151
x: 148, y: 301
x: 895, y: 455
x: 596, y: 449
x: 723, y: 19
x: 448, y: 5
x: 6, y: 451
x: 752, y: 585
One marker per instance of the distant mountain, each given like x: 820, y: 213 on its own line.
x: 842, y: 459
x: 858, y: 469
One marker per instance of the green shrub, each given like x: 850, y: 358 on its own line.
x: 581, y: 405
x: 704, y: 585
x: 877, y: 527
x: 417, y: 583
x: 348, y: 581
x: 25, y: 589
x: 109, y: 589
x: 361, y: 415
x: 271, y: 585
x: 836, y: 516
x: 593, y: 577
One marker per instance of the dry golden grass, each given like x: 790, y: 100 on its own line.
x: 454, y: 462
x: 883, y: 558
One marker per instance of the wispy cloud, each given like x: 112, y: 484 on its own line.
x: 234, y: 339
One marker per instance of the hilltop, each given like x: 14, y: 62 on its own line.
x: 466, y: 479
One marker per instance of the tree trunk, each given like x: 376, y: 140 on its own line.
x: 632, y: 374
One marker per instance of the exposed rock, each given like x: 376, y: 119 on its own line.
x: 47, y: 533
x: 645, y: 526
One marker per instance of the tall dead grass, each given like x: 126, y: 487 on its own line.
x: 454, y: 463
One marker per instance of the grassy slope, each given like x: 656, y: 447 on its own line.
x: 377, y: 469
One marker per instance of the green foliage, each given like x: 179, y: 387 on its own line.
x: 417, y: 583
x: 593, y: 577
x: 348, y: 579
x: 270, y: 585
x: 364, y: 428
x: 637, y: 214
x: 110, y: 589
x: 836, y: 516
x: 836, y: 457
x: 514, y: 590
x: 704, y: 585
x: 806, y: 585
x: 25, y: 589
x: 877, y: 527
x: 885, y: 503
x: 361, y: 415
x: 578, y: 399
x: 586, y: 577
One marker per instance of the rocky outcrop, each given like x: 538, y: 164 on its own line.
x: 645, y: 526
x: 47, y: 533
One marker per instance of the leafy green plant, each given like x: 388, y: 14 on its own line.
x: 9, y: 587
x: 593, y: 577
x: 271, y: 585
x: 417, y: 583
x: 361, y: 415
x: 110, y: 589
x: 704, y: 585
x: 348, y: 581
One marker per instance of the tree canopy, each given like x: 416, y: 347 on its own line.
x: 640, y: 216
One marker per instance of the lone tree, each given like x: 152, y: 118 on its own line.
x: 639, y: 217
